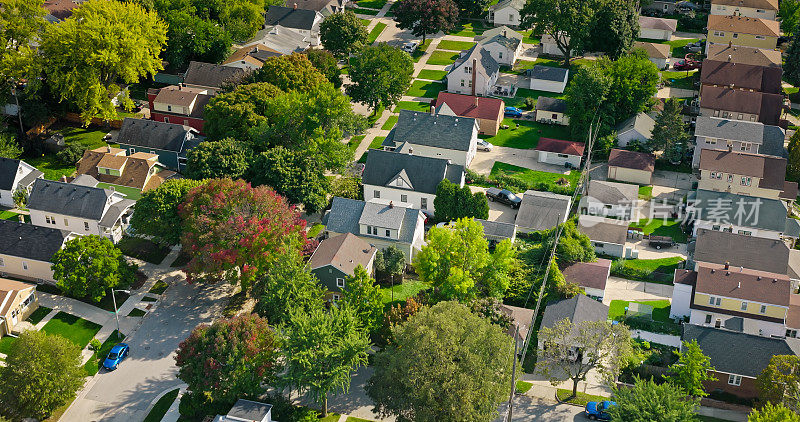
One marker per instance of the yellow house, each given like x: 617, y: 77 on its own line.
x: 764, y: 9
x: 743, y: 31
x: 745, y: 174
x: 17, y: 301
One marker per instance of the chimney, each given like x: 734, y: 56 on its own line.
x: 729, y: 57
x: 758, y: 278
x: 476, y: 102
x: 391, y: 204
x: 295, y: 6
x: 108, y: 148
x: 474, y: 74
x: 730, y: 148
x: 730, y: 43
x: 739, y: 286
x: 727, y: 265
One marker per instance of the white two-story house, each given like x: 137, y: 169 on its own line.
x: 506, y: 12
x: 503, y: 43
x: 475, y: 72
x: 453, y: 138
x: 15, y: 175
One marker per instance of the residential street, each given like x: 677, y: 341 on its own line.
x: 528, y: 408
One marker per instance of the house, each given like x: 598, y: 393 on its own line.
x: 179, y: 104
x: 503, y: 44
x: 521, y: 320
x: 15, y: 175
x: 506, y: 12
x: 251, y: 57
x: 793, y: 321
x: 754, y: 253
x: 745, y: 174
x: 407, y: 180
x: 80, y: 209
x: 247, y: 411
x: 658, y: 53
x: 497, y: 231
x: 636, y: 128
x: 26, y: 250
x: 631, y: 166
x: 735, y: 104
x: 548, y: 78
x: 666, y: 7
x: 17, y: 302
x: 607, y: 235
x: 325, y: 7
x: 761, y: 9
x: 487, y: 111
x: 168, y: 141
x: 657, y: 28
x: 60, y: 9
x: 211, y: 77
x: 743, y: 55
x: 683, y: 282
x: 280, y: 39
x: 741, y: 76
x: 560, y: 153
x: 474, y: 72
x: 577, y: 310
x: 744, y: 31
x: 304, y: 21
x: 611, y: 199
x: 337, y: 257
x: 140, y: 170
x: 738, y: 358
x: 380, y: 225
x: 437, y: 136
x: 550, y: 46
x: 591, y: 276
x: 552, y: 110
x: 737, y: 135
x: 758, y: 217
x: 542, y: 211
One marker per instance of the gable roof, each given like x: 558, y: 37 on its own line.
x: 153, y: 134
x: 322, y: 6
x: 345, y: 215
x: 737, y: 130
x: 613, y: 192
x: 135, y: 168
x: 744, y: 55
x: 560, y: 146
x: 593, y: 275
x: 9, y: 289
x: 440, y: 131
x: 29, y: 241
x: 742, y: 76
x: 555, y: 105
x: 768, y: 107
x: 578, y: 309
x: 212, y: 75
x: 484, y: 62
x: 640, y: 122
x: 735, y: 353
x: 542, y: 210
x: 497, y: 229
x: 248, y: 410
x: 68, y: 199
x: 520, y: 317
x: 756, y: 4
x: 423, y: 173
x: 470, y: 106
x: 654, y: 50
x: 502, y: 31
x: 291, y: 17
x: 632, y: 160
x: 254, y: 54
x: 510, y: 43
x: 344, y: 252
x: 744, y: 24
x: 718, y: 247
x: 547, y: 73
x: 708, y: 206
x: 770, y: 170
x: 604, y: 230
x: 663, y: 24
x: 8, y: 172
x: 744, y: 284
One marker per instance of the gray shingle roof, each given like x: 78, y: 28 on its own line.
x: 605, y: 230
x: 613, y: 193
x: 507, y: 42
x: 735, y: 353
x: 485, y: 62
x: 727, y: 208
x: 641, y: 122
x: 755, y: 253
x: 440, y: 131
x: 68, y: 199
x: 212, y: 75
x: 152, y: 134
x: 497, y: 229
x: 516, y: 4
x: 577, y: 309
x: 502, y: 30
x: 345, y: 214
x: 423, y: 173
x: 547, y: 73
x: 29, y: 241
x: 248, y: 410
x: 383, y: 216
x: 736, y: 130
x: 8, y: 172
x: 290, y: 18
x: 556, y: 105
x: 542, y: 210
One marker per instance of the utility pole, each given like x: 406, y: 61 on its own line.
x: 513, y: 374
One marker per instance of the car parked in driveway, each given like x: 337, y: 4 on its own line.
x: 504, y: 196
x: 410, y: 46
x: 512, y: 112
x: 115, y: 356
x: 599, y: 410
x: 484, y: 145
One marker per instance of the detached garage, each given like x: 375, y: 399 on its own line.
x: 548, y: 78
x: 558, y: 152
x: 631, y: 166
x: 657, y: 28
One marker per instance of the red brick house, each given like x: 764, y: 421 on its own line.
x: 179, y: 104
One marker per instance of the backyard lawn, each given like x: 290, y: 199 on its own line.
x: 52, y: 168
x: 361, y: 11
x: 143, y: 249
x: 425, y: 89
x: 522, y: 65
x: 662, y: 227
x: 5, y: 344
x: 76, y: 330
x: 679, y: 79
x: 678, y: 46
x: 455, y: 45
x: 403, y: 291
x: 371, y: 4
x: 645, y: 193
x: 523, y: 93
x: 441, y: 57
x: 390, y: 122
x: 660, y: 265
x: 532, y: 177
x: 525, y: 134
x: 39, y: 314
x: 433, y: 75
x: 661, y: 308
x: 376, y: 31
x: 420, y: 106
x: 131, y: 193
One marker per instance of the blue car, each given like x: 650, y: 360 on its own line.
x: 599, y: 411
x: 115, y: 356
x: 512, y: 112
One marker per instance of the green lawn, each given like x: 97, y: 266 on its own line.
x: 580, y: 400
x: 390, y: 122
x: 441, y: 57
x: 532, y: 177
x: 523, y: 93
x: 661, y: 265
x: 162, y: 405
x: 421, y: 49
x: 354, y: 142
x: 375, y: 144
x: 93, y: 364
x: 372, y: 4
x: 455, y: 45
x: 376, y: 31
x: 525, y: 134
x: 364, y: 22
x: 131, y: 193
x: 678, y: 46
x: 522, y: 65
x: 158, y: 288
x: 360, y: 11
x: 89, y: 138
x: 661, y: 308
x: 468, y: 29
x: 403, y: 291
x: 143, y: 249
x: 433, y: 75
x: 645, y: 193
x: 425, y: 89
x: 77, y: 330
x: 13, y: 216
x: 136, y: 312
x: 420, y: 106
x: 52, y: 168
x: 680, y: 79
x: 523, y: 387
x: 529, y: 38
x: 332, y: 417
x: 661, y: 227
x: 5, y: 344
x: 39, y: 314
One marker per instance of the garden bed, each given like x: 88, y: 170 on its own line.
x: 519, y: 179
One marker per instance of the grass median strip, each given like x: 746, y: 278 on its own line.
x: 376, y: 32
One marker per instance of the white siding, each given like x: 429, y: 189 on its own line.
x: 549, y: 86
x: 681, y: 299
x: 413, y: 199
x: 750, y: 12
x: 501, y: 54
x: 626, y: 137
x: 655, y: 34
x: 506, y: 16
x: 545, y: 116
x: 751, y: 326
x: 559, y: 159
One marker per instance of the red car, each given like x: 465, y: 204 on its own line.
x: 686, y: 65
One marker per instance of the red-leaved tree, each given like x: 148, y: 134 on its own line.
x: 225, y: 361
x: 233, y: 231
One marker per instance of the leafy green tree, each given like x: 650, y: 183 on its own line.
x: 286, y: 286
x: 585, y: 96
x: 297, y: 177
x: 789, y: 15
x: 361, y: 294
x: 327, y: 64
x: 445, y: 364
x: 42, y: 372
x: 156, y: 212
x: 22, y: 23
x: 390, y: 261
x: 779, y: 382
x: 225, y: 361
x: 457, y: 262
x: 70, y: 154
x: 692, y: 368
x: 669, y: 133
x: 343, y: 34
x: 191, y: 38
x: 647, y: 401
x: 232, y: 114
x: 425, y: 17
x: 130, y: 40
x: 615, y: 27
x: 633, y: 85
x: 791, y: 67
x: 9, y: 148
x: 605, y: 348
x: 322, y: 348
x: 453, y: 202
x: 574, y: 246
x: 604, y: 144
x: 381, y: 74
x: 569, y: 22
x: 291, y: 72
x: 773, y: 413
x: 793, y: 163
x: 20, y: 198
x: 347, y: 187
x: 88, y: 266
x: 217, y: 159
x: 472, y: 8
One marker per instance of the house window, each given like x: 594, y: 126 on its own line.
x: 169, y: 108
x: 131, y: 150
x: 716, y: 113
x: 791, y: 333
x: 711, y: 141
x: 24, y: 265
x: 760, y: 10
x: 186, y: 122
x: 423, y: 203
x: 403, y: 198
x: 511, y: 17
x: 500, y: 54
x: 745, y: 147
x: 763, y: 309
x: 66, y: 222
x: 369, y: 229
x: 716, y: 175
x: 563, y: 156
x: 730, y: 178
x: 728, y: 230
x: 388, y: 233
x: 746, y: 232
x: 746, y: 181
x: 735, y: 35
x: 555, y: 116
x: 760, y: 37
x: 49, y: 220
x: 711, y: 300
x: 377, y: 194
x: 715, y: 227
x: 86, y: 225
x: 708, y: 318
x: 462, y: 82
x: 719, y: 34
x: 735, y: 380
x: 166, y: 119
x: 2, y: 263
x: 336, y: 297
x: 741, y: 117
x: 467, y: 69
x: 340, y: 283
x: 399, y: 182
x: 744, y: 306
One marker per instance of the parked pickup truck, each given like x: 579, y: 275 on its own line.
x: 504, y: 196
x: 659, y: 242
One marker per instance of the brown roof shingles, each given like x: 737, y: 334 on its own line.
x: 744, y: 25
x: 471, y: 106
x: 793, y: 316
x: 588, y: 274
x: 756, y: 4
x: 742, y: 76
x: 560, y: 146
x: 744, y: 55
x: 345, y: 252
x: 748, y: 285
x: 632, y: 160
x: 768, y: 107
x: 135, y: 168
x: 654, y: 50
x: 9, y: 289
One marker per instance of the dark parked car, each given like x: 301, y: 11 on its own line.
x: 599, y: 411
x: 505, y: 196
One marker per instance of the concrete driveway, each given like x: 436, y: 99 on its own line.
x: 623, y: 289
x: 484, y: 160
x: 673, y: 179
x: 536, y: 409
x: 497, y: 211
x: 648, y: 252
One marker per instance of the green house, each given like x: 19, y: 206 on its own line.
x: 167, y: 140
x: 337, y: 257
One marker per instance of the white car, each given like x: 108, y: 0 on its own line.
x: 410, y: 46
x: 483, y: 145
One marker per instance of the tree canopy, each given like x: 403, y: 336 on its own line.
x: 381, y: 74
x: 647, y: 401
x: 773, y: 413
x: 364, y: 297
x: 327, y: 64
x: 615, y: 28
x: 21, y: 23
x: 669, y: 133
x: 692, y: 369
x: 424, y: 17
x: 793, y: 162
x: 789, y: 16
x: 287, y: 286
x: 453, y: 202
x: 791, y: 68
x: 290, y: 72
x: 217, y: 159
x: 343, y: 33
x: 568, y: 22
x: 779, y: 382
x: 156, y: 212
x: 88, y: 266
x: 297, y: 177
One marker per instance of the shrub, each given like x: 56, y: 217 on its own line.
x: 529, y: 104
x: 94, y: 345
x: 70, y: 155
